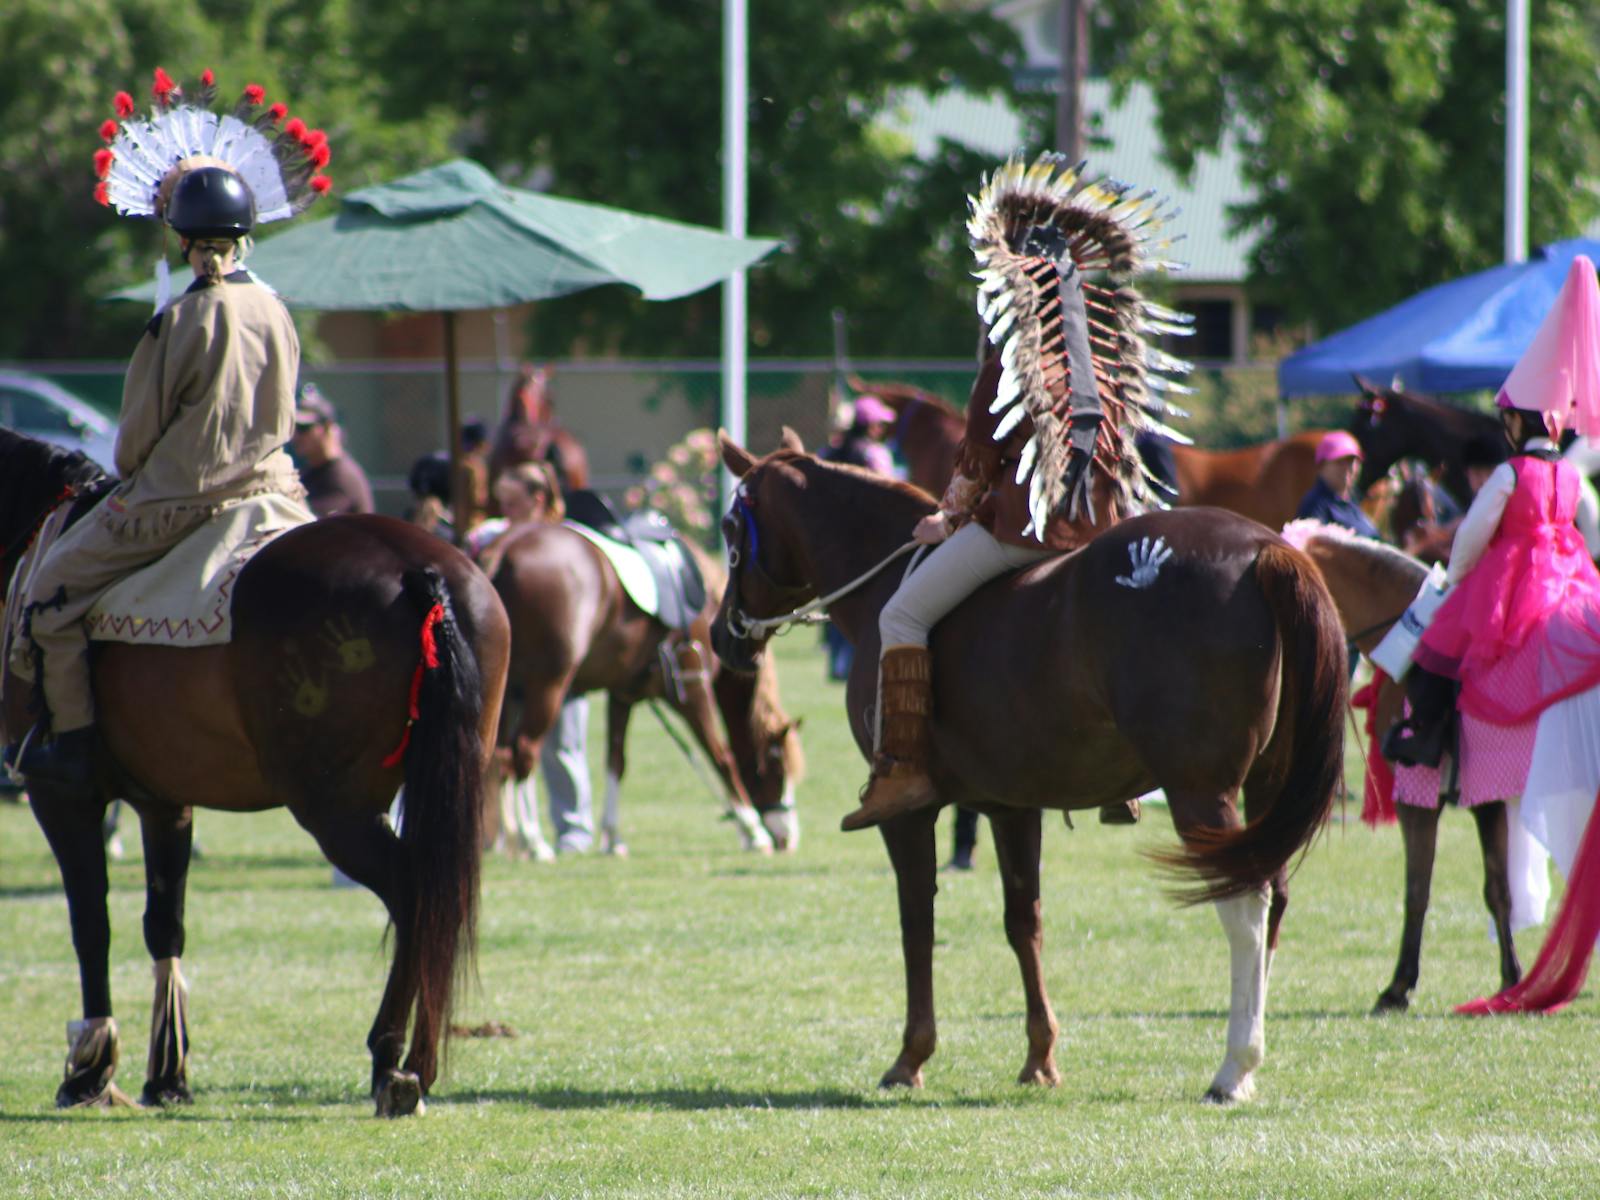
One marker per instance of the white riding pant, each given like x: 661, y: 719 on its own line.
x: 958, y: 566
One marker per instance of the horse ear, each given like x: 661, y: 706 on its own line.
x: 791, y: 441
x: 734, y: 456
x: 1367, y: 387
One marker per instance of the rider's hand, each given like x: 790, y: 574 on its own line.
x: 932, y: 529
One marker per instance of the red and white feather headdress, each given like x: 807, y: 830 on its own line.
x: 279, y: 159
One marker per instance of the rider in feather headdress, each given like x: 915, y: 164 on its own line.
x: 208, y: 402
x: 1047, y: 460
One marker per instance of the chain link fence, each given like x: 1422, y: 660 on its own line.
x: 628, y: 413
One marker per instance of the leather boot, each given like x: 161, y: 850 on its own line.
x: 65, y: 761
x: 900, y: 782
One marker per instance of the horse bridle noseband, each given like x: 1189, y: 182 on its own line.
x: 746, y: 628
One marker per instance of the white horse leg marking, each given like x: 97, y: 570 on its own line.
x: 752, y: 834
x: 783, y: 822
x: 1244, y: 919
x: 524, y: 819
x: 610, y: 837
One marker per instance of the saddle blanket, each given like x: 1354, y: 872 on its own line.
x: 637, y: 579
x: 185, y: 598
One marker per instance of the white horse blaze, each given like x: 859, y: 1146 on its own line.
x: 1244, y: 919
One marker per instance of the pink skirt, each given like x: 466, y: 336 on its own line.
x: 1494, y: 766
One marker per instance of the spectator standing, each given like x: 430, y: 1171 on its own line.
x: 334, y: 482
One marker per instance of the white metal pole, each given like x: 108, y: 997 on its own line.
x: 734, y: 117
x: 1516, y: 130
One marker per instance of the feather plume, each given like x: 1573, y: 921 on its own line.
x: 1029, y: 222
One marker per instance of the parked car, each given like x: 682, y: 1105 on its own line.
x: 33, y: 405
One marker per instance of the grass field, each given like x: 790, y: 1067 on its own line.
x: 697, y: 1022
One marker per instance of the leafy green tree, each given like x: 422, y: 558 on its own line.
x: 60, y: 63
x: 1372, y: 131
x: 619, y: 102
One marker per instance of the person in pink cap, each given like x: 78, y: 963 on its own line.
x: 865, y: 442
x: 1520, y: 629
x: 1329, y: 500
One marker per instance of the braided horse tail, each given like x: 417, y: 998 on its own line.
x: 444, y: 780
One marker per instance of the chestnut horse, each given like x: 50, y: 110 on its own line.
x: 529, y: 432
x: 1373, y: 584
x: 574, y: 630
x: 1190, y: 650
x: 1265, y: 483
x: 302, y: 709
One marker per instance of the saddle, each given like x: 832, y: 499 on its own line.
x: 680, y: 589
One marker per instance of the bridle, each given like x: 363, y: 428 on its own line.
x: 1352, y: 639
x: 744, y: 545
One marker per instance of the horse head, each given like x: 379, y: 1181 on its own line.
x: 35, y: 476
x: 1384, y: 426
x: 529, y: 400
x: 760, y: 564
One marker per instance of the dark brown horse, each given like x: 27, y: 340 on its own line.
x: 529, y: 432
x: 1392, y: 424
x: 1190, y: 650
x: 1265, y: 483
x: 1373, y: 584
x: 300, y: 709
x: 575, y: 630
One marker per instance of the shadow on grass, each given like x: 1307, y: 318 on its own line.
x: 677, y: 1099
x: 31, y: 891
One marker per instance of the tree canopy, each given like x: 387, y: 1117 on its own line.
x: 1372, y: 132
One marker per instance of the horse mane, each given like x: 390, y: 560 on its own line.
x: 1299, y: 533
x: 767, y: 718
x: 898, y: 487
x: 33, y: 472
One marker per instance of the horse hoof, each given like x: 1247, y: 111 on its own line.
x: 899, y: 1076
x: 165, y: 1095
x: 400, y: 1095
x: 109, y: 1096
x: 1388, y: 1003
x: 1223, y: 1097
x: 1044, y: 1075
x: 616, y: 850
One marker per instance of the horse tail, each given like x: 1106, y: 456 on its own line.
x: 444, y: 779
x: 1309, y: 728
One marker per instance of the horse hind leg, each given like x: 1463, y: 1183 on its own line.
x: 167, y: 840
x: 1016, y: 847
x: 1244, y: 919
x: 1419, y: 831
x: 366, y: 849
x: 1493, y: 838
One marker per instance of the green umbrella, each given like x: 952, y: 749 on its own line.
x: 453, y: 237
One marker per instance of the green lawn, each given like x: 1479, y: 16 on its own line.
x: 698, y: 1022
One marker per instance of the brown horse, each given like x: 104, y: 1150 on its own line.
x: 1373, y: 584
x: 300, y: 709
x: 575, y: 630
x: 529, y: 432
x: 1190, y: 650
x: 1265, y: 483
x: 926, y: 434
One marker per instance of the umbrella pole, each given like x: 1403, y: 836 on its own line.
x: 460, y: 485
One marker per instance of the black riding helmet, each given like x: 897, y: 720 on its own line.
x: 211, y: 202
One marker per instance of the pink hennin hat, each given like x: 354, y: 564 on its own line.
x: 1336, y: 445
x: 870, y: 410
x: 1559, y: 374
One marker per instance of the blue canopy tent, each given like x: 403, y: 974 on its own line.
x: 1457, y: 337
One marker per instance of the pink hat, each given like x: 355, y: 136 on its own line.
x: 1336, y: 445
x: 1559, y: 374
x: 871, y: 411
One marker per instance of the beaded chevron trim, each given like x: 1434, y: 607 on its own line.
x: 1025, y: 221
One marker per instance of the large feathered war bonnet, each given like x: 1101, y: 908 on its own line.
x: 207, y: 171
x: 1056, y: 253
